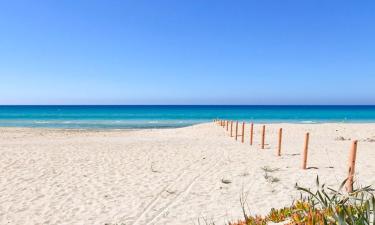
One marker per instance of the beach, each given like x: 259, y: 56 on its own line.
x: 169, y: 176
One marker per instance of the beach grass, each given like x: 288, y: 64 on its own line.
x: 324, y: 206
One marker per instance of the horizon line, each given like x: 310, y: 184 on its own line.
x: 2, y: 105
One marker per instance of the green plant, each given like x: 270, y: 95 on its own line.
x: 337, y: 207
x: 324, y: 206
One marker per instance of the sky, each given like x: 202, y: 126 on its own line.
x: 187, y: 52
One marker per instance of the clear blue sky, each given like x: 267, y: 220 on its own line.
x: 187, y: 52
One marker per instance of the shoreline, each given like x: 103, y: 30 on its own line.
x: 192, y: 125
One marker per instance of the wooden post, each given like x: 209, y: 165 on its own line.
x: 263, y: 135
x: 305, y: 150
x: 351, y: 169
x: 236, y: 130
x: 227, y: 124
x: 243, y: 132
x: 231, y: 128
x: 280, y: 139
x: 251, y: 133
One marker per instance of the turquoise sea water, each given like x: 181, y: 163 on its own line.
x: 122, y: 117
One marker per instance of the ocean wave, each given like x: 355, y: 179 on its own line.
x: 41, y: 122
x: 308, y: 122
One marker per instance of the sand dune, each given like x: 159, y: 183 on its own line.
x: 166, y: 176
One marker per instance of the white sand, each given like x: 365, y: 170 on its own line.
x: 170, y: 176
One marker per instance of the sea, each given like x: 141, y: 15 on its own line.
x: 169, y: 116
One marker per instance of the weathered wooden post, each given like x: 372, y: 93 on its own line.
x: 263, y: 135
x: 279, y: 144
x: 231, y: 128
x: 251, y: 133
x: 351, y: 169
x: 236, y: 130
x: 227, y: 124
x: 305, y: 151
x: 243, y: 132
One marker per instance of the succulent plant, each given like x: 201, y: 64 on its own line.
x: 324, y: 206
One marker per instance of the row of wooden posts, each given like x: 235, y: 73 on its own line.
x: 229, y: 127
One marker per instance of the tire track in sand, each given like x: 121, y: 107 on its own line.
x: 178, y: 185
x: 158, y: 196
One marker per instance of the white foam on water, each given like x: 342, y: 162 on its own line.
x: 308, y: 122
x: 41, y: 122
